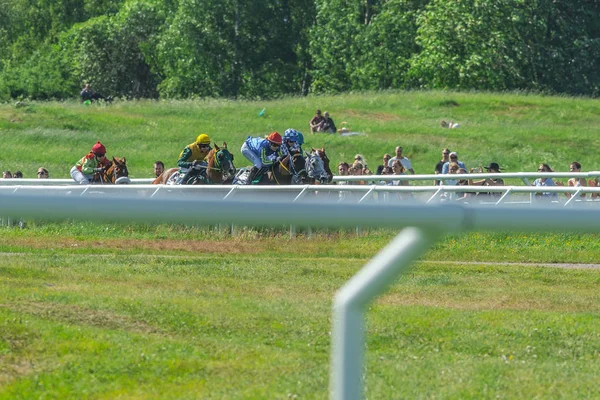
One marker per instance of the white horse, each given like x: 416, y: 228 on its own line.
x: 315, y: 168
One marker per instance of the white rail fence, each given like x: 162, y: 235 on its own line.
x: 375, y: 179
x: 422, y: 225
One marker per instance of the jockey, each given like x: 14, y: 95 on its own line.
x: 262, y: 152
x: 292, y: 141
x: 193, y: 155
x: 93, y: 162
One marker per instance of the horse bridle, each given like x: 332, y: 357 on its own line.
x: 292, y: 166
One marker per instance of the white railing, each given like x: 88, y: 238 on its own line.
x: 381, y: 194
x: 55, y: 182
x: 524, y: 176
x: 422, y: 224
x: 376, y: 179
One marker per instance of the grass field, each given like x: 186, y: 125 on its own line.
x: 135, y: 311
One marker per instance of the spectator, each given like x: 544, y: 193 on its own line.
x: 328, y: 126
x: 398, y: 169
x: 358, y: 169
x: 316, y: 122
x: 405, y: 161
x: 493, y: 168
x: 343, y: 170
x: 439, y: 166
x: 386, y: 159
x: 452, y: 170
x: 361, y: 159
x: 159, y: 168
x: 6, y: 175
x: 42, y: 173
x: 576, y: 182
x: 18, y: 175
x: 453, y: 158
x: 88, y: 94
x: 545, y: 182
x: 464, y: 196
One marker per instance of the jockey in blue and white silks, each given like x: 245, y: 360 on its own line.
x: 292, y: 141
x: 262, y: 152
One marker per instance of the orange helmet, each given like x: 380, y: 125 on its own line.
x: 275, y: 137
x: 98, y: 148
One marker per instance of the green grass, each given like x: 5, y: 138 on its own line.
x: 214, y: 326
x: 518, y: 131
x: 138, y: 311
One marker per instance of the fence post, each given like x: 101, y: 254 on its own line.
x: 350, y: 301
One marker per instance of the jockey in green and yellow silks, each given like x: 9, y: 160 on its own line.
x: 194, y: 152
x: 191, y: 160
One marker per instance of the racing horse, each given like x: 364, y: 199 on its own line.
x: 325, y: 159
x: 315, y: 168
x: 290, y: 171
x: 219, y: 169
x: 115, y: 173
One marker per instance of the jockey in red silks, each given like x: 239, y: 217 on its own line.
x: 262, y: 152
x: 93, y: 162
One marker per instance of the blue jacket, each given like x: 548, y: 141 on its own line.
x: 262, y: 148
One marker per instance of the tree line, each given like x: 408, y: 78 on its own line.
x: 268, y: 48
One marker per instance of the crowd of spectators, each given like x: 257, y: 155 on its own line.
x: 41, y: 174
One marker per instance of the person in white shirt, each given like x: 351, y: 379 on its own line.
x: 405, y: 161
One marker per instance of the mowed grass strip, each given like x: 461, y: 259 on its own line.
x: 238, y: 326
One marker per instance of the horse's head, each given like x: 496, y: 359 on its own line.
x: 325, y: 159
x: 315, y: 167
x: 224, y: 161
x: 298, y: 168
x: 120, y: 171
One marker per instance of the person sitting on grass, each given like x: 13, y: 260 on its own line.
x: 316, y: 122
x: 88, y: 94
x: 328, y: 126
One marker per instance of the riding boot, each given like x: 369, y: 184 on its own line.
x: 253, y: 173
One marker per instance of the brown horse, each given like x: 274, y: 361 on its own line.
x: 219, y: 168
x: 116, y: 172
x: 290, y: 171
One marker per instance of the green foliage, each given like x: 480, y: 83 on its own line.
x: 503, y: 45
x: 235, y: 49
x: 111, y: 52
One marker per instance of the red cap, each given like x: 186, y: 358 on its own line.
x: 98, y: 148
x: 275, y: 137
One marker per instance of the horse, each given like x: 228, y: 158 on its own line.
x: 315, y: 168
x: 290, y: 171
x: 325, y: 159
x: 115, y: 173
x: 219, y: 169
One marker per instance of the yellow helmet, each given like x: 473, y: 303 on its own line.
x: 203, y: 139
